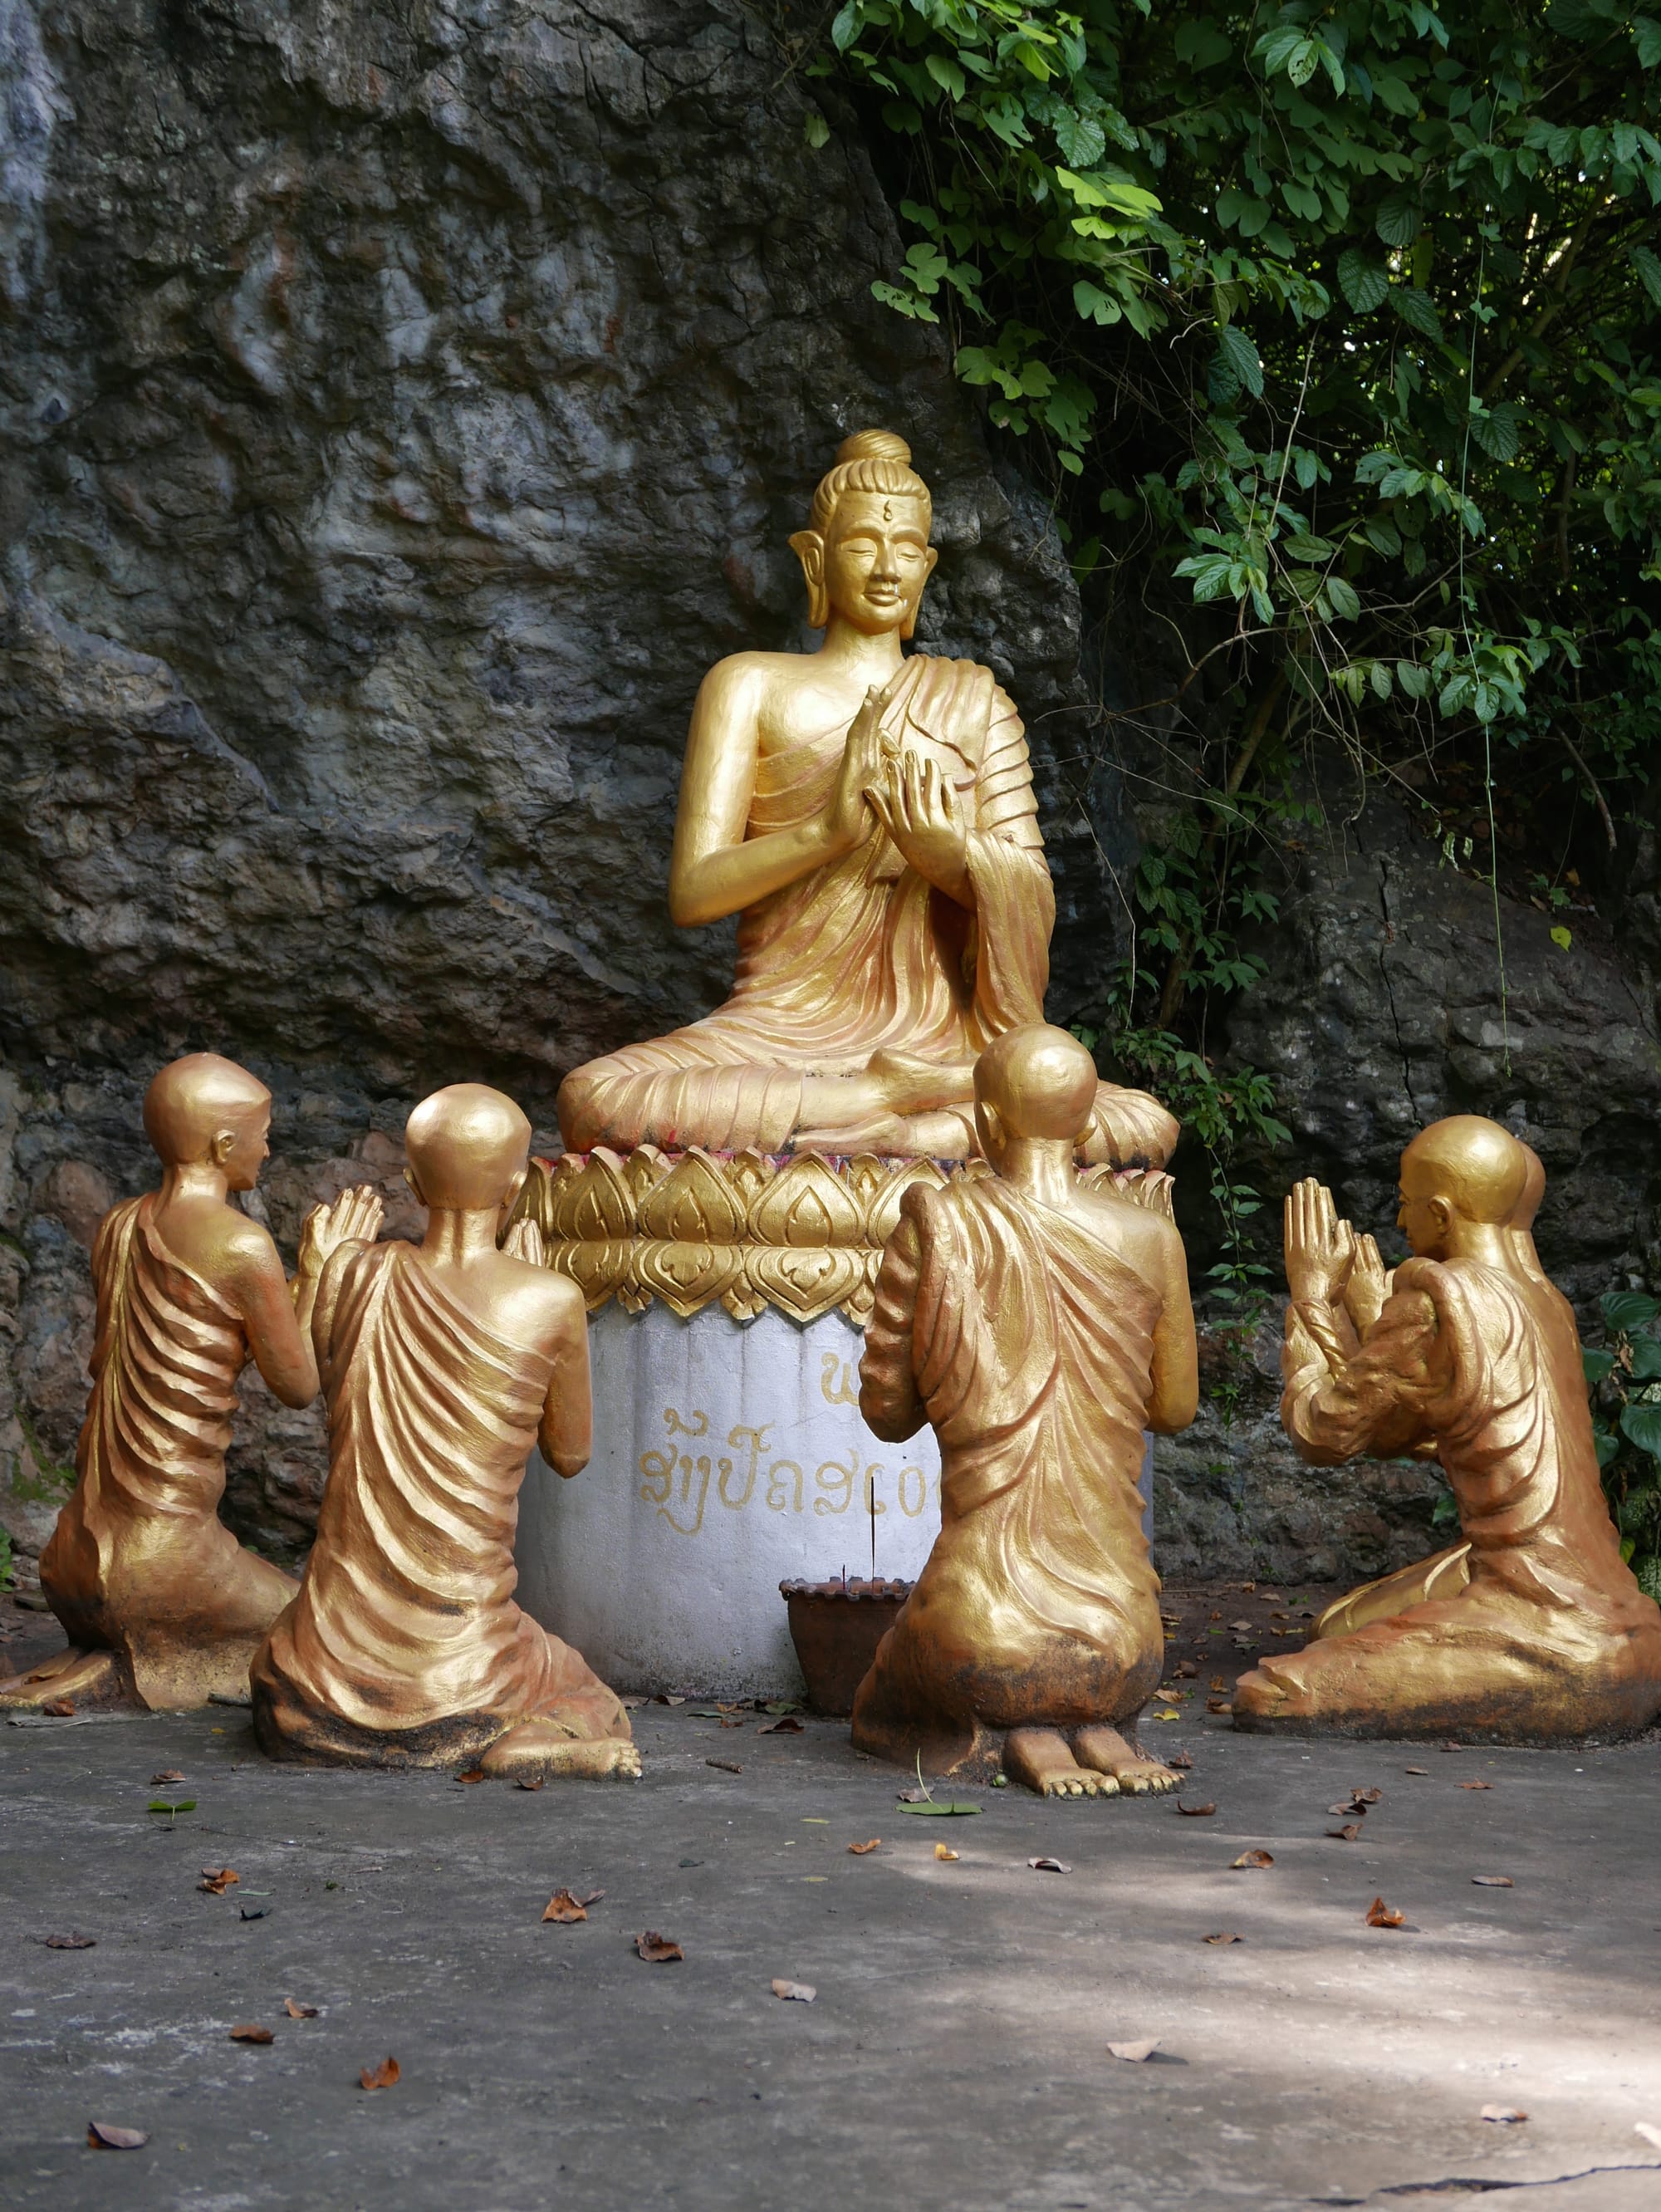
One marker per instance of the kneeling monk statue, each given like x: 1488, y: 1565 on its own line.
x: 1041, y: 1327
x: 869, y: 817
x: 1535, y: 1630
x: 443, y: 1364
x: 162, y: 1606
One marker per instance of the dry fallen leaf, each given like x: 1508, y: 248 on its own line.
x: 249, y: 2031
x: 1184, y: 1671
x: 1359, y: 1796
x: 860, y: 1850
x: 945, y: 1851
x: 1180, y: 1758
x: 1380, y: 1915
x: 1135, y: 2053
x: 1346, y: 1805
x: 726, y: 1765
x: 1253, y: 1859
x: 562, y: 1905
x: 217, y: 1880
x: 167, y: 1774
x: 1195, y: 1812
x: 788, y: 1726
x: 255, y: 1912
x: 472, y: 1774
x: 1218, y: 1705
x: 1223, y: 1938
x: 798, y: 1992
x: 1050, y: 1866
x: 102, y: 2135
x: 1450, y: 1746
x: 1494, y: 1881
x: 1506, y: 2115
x: 660, y: 1950
x: 1421, y: 1770
x: 1648, y: 2129
x: 1349, y: 1833
x: 1243, y: 1627
x: 299, y: 2011
x: 1476, y: 1785
x: 70, y: 1942
x: 382, y: 2076
x: 1219, y: 1682
x: 662, y: 1698
x: 59, y: 1708
x: 531, y: 1782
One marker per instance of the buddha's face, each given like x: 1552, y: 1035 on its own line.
x: 876, y: 559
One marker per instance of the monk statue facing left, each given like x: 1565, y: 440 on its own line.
x: 1041, y: 1325
x: 443, y: 1364
x: 162, y: 1606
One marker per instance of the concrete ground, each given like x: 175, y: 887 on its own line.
x: 956, y: 2053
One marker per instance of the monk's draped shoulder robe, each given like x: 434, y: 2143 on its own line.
x: 864, y: 954
x: 404, y: 1646
x: 1552, y: 1635
x: 140, y: 1563
x: 1028, y: 1345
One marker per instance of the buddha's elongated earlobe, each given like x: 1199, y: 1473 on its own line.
x: 909, y: 627
x: 810, y: 549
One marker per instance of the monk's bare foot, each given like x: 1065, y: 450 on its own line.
x: 541, y: 1750
x: 1038, y: 1759
x: 1257, y: 1696
x: 83, y: 1678
x: 1106, y: 1749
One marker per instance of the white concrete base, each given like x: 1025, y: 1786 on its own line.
x: 728, y: 1455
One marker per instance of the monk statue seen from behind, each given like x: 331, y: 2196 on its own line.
x: 1533, y: 1629
x: 162, y: 1606
x: 443, y: 1364
x: 869, y: 817
x: 1041, y: 1325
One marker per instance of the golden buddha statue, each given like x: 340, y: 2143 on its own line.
x: 869, y: 817
x: 1533, y: 1629
x: 1041, y: 1325
x: 161, y: 1605
x: 443, y: 1364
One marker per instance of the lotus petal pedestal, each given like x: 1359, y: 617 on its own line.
x: 728, y: 1297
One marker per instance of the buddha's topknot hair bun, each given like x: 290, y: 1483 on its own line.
x: 871, y: 460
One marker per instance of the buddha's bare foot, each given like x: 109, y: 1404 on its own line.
x: 1039, y: 1759
x: 1106, y: 1749
x: 944, y: 1135
x: 83, y: 1678
x: 542, y: 1750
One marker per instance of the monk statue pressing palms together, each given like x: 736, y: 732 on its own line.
x: 161, y: 1605
x: 443, y: 1364
x: 869, y: 817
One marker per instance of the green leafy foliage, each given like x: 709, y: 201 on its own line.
x: 1623, y: 1374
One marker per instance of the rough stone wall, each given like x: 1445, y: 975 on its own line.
x: 403, y: 406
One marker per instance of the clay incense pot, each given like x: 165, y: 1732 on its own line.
x: 836, y: 1627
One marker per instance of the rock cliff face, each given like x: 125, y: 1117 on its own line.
x: 403, y: 405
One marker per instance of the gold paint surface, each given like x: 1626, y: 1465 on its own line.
x: 1041, y: 1321
x: 160, y: 1604
x: 443, y: 1364
x: 1533, y: 1629
x: 868, y: 817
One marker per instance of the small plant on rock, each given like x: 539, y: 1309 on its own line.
x: 1623, y: 1374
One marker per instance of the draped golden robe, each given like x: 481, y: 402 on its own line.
x: 1030, y: 1346
x: 1551, y: 1637
x: 404, y: 1646
x: 140, y: 1563
x: 865, y: 954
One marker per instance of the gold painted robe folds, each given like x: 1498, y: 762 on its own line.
x: 864, y: 955
x: 1552, y: 1637
x: 1030, y: 1346
x: 140, y: 1563
x: 403, y: 1646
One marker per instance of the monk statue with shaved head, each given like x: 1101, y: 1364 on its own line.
x: 443, y: 1364
x: 1532, y: 1629
x: 1041, y: 1323
x: 162, y: 1606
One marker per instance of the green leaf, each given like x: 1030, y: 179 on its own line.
x: 165, y: 1805
x: 1245, y: 363
x: 947, y: 76
x: 1626, y: 1310
x: 1646, y: 37
x: 1417, y: 310
x: 1595, y: 1365
x: 944, y: 1806
x: 1413, y: 679
x: 1641, y: 1426
x: 1398, y: 220
x: 1081, y: 138
x: 815, y: 129
x: 1500, y: 431
x: 1561, y: 937
x: 1364, y: 284
x: 1645, y: 1359
x: 1342, y: 597
x: 845, y: 29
